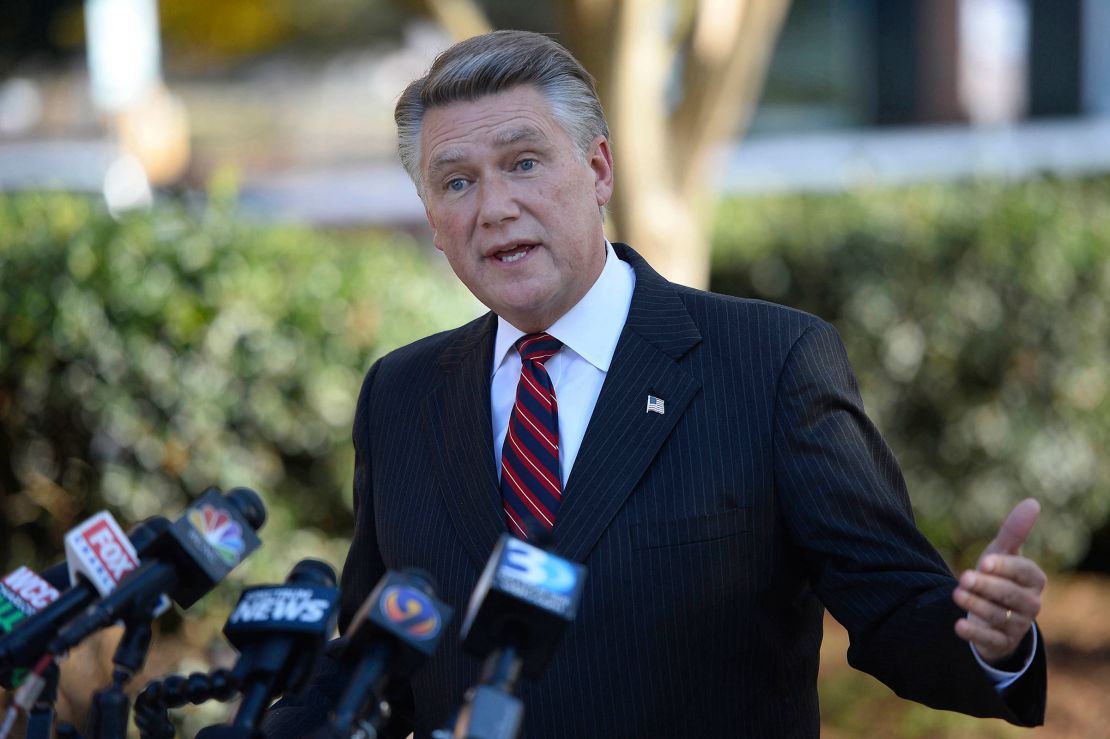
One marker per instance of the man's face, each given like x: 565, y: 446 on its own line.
x: 514, y: 205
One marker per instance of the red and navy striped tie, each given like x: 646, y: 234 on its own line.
x: 531, y: 487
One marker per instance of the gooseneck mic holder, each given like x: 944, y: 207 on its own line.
x: 110, y: 707
x: 279, y: 631
x: 176, y: 691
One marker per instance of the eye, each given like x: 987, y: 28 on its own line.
x: 458, y: 184
x: 526, y: 165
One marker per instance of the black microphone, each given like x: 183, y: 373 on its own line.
x: 524, y: 600
x: 27, y: 641
x: 22, y: 593
x: 184, y: 560
x: 57, y: 574
x: 398, y: 626
x: 279, y: 632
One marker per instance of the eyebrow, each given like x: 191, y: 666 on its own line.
x: 444, y: 160
x: 504, y: 138
x: 516, y: 135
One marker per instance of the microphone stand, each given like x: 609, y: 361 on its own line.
x: 369, y: 675
x: 111, y: 707
x: 40, y: 719
x: 491, y: 709
x: 502, y: 669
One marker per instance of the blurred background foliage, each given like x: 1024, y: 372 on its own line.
x: 977, y: 318
x: 144, y: 359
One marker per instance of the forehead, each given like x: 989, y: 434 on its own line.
x: 465, y: 128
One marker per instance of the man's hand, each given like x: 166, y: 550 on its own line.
x: 1003, y: 594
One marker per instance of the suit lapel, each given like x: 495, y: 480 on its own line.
x: 457, y: 414
x: 622, y: 438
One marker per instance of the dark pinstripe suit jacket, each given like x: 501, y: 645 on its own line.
x: 713, y: 534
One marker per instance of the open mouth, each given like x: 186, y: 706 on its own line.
x: 514, y: 254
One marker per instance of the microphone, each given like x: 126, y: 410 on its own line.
x: 279, y: 632
x: 100, y: 552
x: 25, y: 593
x: 57, y: 575
x: 22, y: 594
x: 524, y: 600
x: 184, y: 560
x: 398, y: 626
x: 98, y: 555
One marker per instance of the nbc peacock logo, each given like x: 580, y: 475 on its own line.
x: 411, y: 610
x: 220, y: 531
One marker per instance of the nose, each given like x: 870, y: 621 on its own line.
x: 498, y: 201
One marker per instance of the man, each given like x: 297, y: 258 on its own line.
x: 707, y: 458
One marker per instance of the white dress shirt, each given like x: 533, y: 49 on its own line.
x: 589, y: 332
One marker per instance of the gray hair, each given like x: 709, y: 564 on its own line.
x: 494, y: 62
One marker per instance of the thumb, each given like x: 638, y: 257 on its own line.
x: 1015, y: 529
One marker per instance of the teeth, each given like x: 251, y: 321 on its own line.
x: 514, y: 257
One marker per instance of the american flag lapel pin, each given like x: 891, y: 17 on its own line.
x: 655, y: 405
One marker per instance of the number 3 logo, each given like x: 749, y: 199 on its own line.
x: 536, y: 567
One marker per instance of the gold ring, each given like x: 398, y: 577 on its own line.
x: 1008, y: 614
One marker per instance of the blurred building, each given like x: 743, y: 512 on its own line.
x: 881, y: 63
x: 874, y: 91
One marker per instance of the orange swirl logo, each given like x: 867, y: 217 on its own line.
x: 411, y: 610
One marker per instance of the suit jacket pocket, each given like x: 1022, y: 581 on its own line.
x: 708, y: 527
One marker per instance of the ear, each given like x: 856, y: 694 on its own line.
x: 432, y: 224
x: 600, y: 162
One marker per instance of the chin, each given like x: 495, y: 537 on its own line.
x: 526, y: 320
x: 526, y: 306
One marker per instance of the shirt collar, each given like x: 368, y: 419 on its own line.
x: 593, y: 326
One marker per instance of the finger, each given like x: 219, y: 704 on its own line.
x: 991, y: 644
x: 1021, y: 570
x: 980, y: 608
x: 992, y: 614
x: 1015, y: 529
x: 1003, y: 592
x: 997, y: 612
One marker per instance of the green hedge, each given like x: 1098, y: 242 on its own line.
x: 978, y: 320
x: 142, y: 360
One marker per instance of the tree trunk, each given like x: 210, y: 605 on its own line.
x: 461, y: 18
